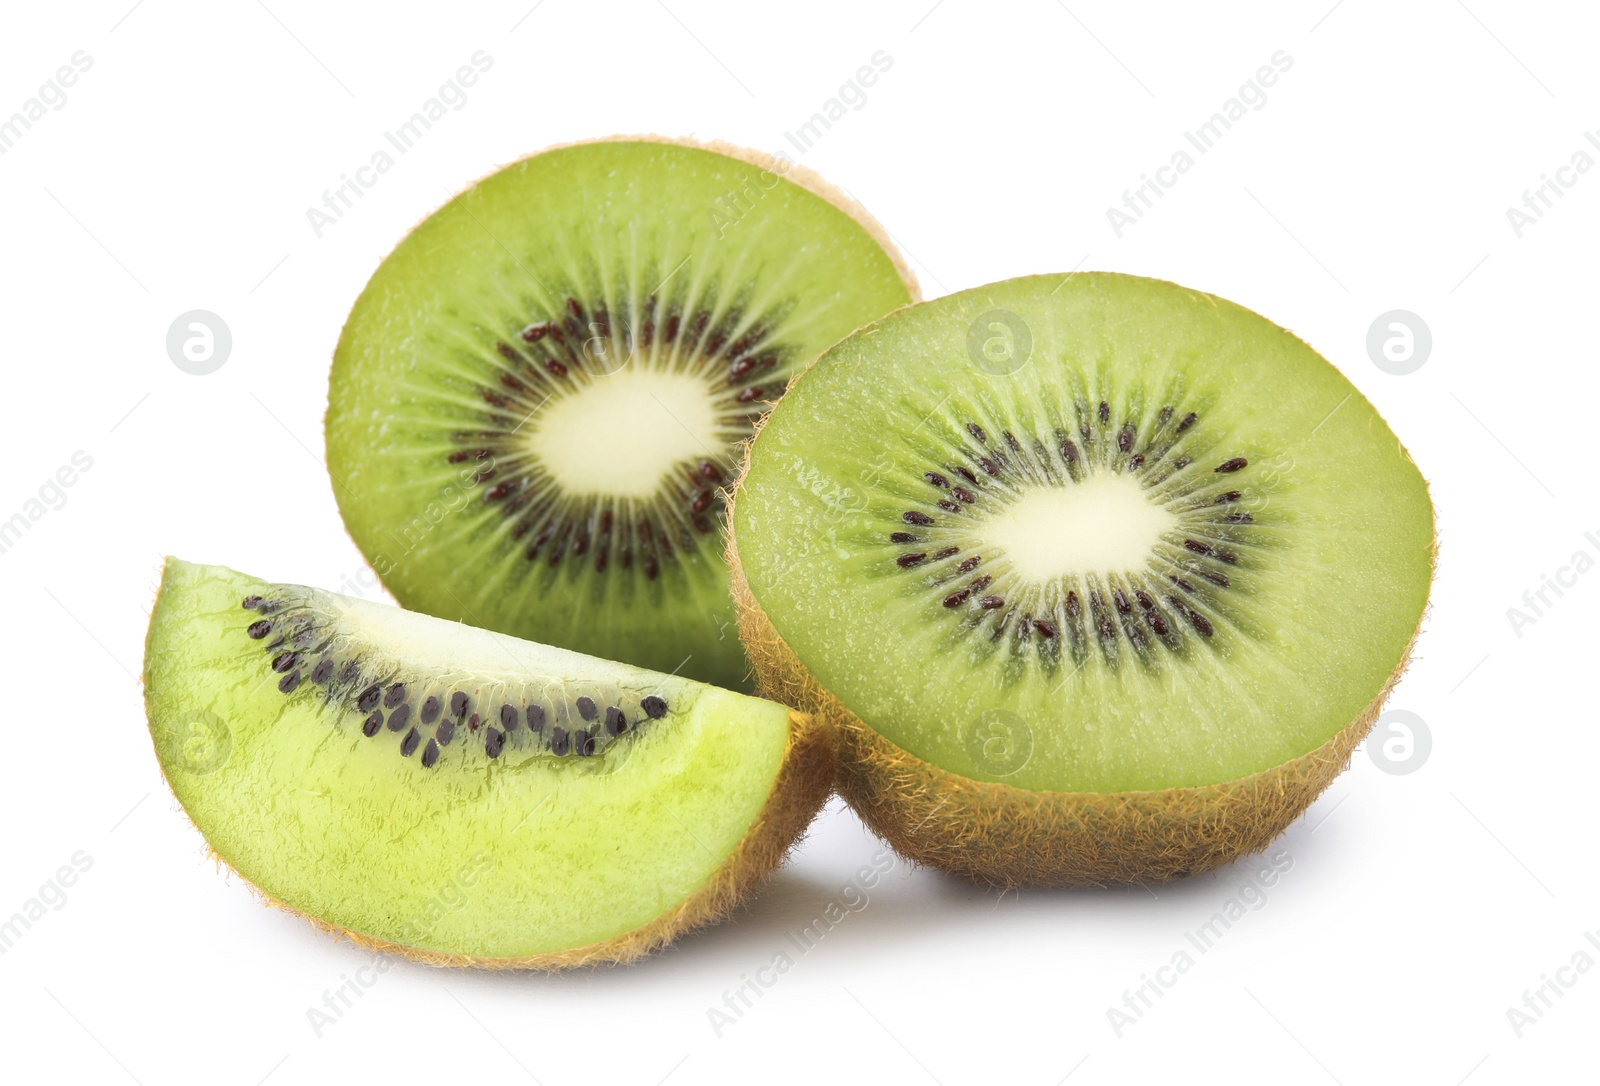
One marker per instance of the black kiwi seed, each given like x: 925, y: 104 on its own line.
x: 1200, y: 623
x: 586, y: 708
x: 949, y: 506
x: 906, y: 561
x: 936, y: 479
x: 1046, y: 629
x: 396, y: 694
x: 536, y: 718
x: 1224, y: 499
x: 430, y: 709
x: 350, y: 672
x: 1105, y: 412
x: 910, y: 516
x: 653, y: 707
x: 1069, y: 451
x: 285, y: 661
x: 964, y: 494
x: 289, y: 682
x: 616, y: 723
x: 372, y: 724
x: 323, y: 671
x: 458, y: 704
x: 1227, y: 467
x: 408, y: 745
x: 977, y: 432
x: 369, y: 698
x: 430, y: 754
x: 902, y: 537
x: 399, y: 718
x: 251, y: 603
x: 493, y: 742
x: 445, y: 732
x: 969, y: 564
x: 259, y: 629
x: 583, y: 743
x: 989, y: 466
x: 1188, y: 421
x: 1196, y: 546
x: 1125, y: 439
x: 508, y: 716
x: 947, y: 552
x: 558, y: 741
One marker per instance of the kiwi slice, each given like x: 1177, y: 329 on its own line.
x: 539, y: 397
x: 459, y: 796
x: 1101, y: 579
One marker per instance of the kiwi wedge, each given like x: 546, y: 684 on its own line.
x: 1100, y: 579
x: 539, y: 397
x: 458, y: 796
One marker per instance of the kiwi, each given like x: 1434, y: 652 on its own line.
x: 539, y: 397
x: 457, y: 796
x: 1099, y: 579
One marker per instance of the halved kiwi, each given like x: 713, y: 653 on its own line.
x: 538, y: 398
x: 1100, y: 578
x: 458, y: 796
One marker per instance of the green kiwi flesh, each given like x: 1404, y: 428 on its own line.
x: 460, y: 796
x: 1073, y: 551
x: 539, y: 397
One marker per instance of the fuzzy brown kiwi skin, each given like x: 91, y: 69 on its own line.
x: 1001, y: 835
x: 804, y: 783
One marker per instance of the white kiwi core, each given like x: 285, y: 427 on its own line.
x: 622, y: 434
x: 1104, y: 524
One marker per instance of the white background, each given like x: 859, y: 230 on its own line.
x: 1418, y: 908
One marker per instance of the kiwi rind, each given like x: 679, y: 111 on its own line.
x: 181, y: 679
x: 999, y: 834
x: 702, y: 627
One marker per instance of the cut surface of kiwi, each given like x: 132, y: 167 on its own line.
x: 538, y: 398
x: 1101, y: 578
x: 459, y: 796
